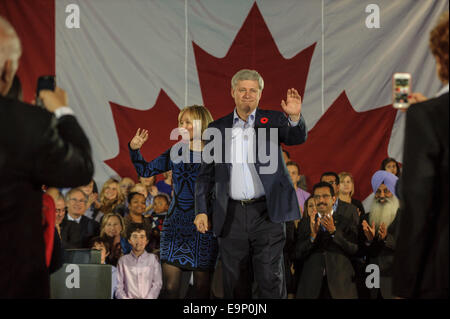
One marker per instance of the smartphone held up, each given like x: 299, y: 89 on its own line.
x: 401, y: 89
x: 46, y: 82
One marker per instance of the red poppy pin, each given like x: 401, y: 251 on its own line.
x: 264, y: 120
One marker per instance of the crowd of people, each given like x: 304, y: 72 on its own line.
x: 237, y: 232
x: 132, y: 219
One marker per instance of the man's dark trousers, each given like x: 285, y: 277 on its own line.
x: 248, y: 239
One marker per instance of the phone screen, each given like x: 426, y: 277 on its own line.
x: 401, y: 90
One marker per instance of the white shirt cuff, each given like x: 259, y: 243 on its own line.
x: 63, y: 110
x: 293, y: 123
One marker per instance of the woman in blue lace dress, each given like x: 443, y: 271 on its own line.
x: 182, y: 246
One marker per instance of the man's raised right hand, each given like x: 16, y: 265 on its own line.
x: 139, y: 139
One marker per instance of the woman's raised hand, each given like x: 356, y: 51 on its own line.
x: 139, y: 139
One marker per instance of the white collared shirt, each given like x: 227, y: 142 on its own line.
x: 73, y: 219
x: 244, y: 179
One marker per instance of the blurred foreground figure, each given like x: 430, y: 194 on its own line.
x: 37, y: 146
x: 421, y: 258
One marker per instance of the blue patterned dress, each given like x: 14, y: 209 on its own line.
x: 181, y: 244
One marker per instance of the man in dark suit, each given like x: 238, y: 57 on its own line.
x: 325, y: 244
x: 421, y: 257
x: 332, y: 178
x: 76, y: 229
x: 380, y: 230
x: 251, y: 200
x: 36, y: 147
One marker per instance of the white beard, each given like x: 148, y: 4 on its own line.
x: 383, y: 213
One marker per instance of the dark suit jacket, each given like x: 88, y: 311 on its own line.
x: 329, y: 253
x: 381, y: 253
x: 35, y: 149
x: 75, y: 236
x: 213, y: 181
x: 421, y: 258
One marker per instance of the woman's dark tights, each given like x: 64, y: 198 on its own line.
x: 171, y: 285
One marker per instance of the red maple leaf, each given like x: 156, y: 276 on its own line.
x: 342, y: 140
x: 158, y: 120
x: 253, y: 48
x: 345, y: 140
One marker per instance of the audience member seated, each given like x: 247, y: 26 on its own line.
x: 302, y: 181
x: 141, y: 189
x: 136, y: 207
x: 56, y: 259
x: 325, y: 247
x: 77, y: 229
x: 149, y: 183
x: 125, y: 186
x: 110, y: 199
x: 380, y: 230
x: 390, y: 165
x: 294, y: 172
x: 60, y: 210
x: 161, y: 205
x: 346, y: 191
x: 333, y: 179
x: 310, y: 211
x: 102, y: 244
x: 113, y: 228
x: 93, y: 204
x: 165, y: 186
x: 359, y: 260
x: 139, y: 274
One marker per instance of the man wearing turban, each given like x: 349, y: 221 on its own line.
x: 379, y: 227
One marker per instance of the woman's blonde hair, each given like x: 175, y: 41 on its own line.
x: 199, y: 113
x: 343, y: 175
x: 105, y: 221
x: 107, y: 206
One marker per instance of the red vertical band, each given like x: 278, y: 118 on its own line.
x: 34, y: 22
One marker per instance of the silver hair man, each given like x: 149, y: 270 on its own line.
x: 246, y: 74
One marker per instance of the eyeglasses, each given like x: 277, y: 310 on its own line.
x: 332, y: 183
x: 60, y: 210
x: 78, y: 200
x: 324, y: 196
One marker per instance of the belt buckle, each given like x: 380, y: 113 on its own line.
x: 245, y: 202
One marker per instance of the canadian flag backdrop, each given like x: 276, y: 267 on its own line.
x: 135, y: 63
